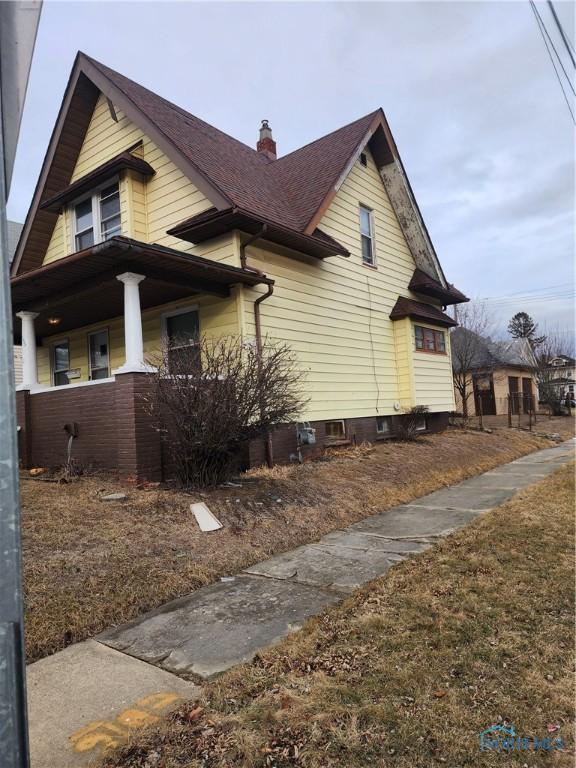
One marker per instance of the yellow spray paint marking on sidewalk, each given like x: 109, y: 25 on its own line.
x: 106, y: 734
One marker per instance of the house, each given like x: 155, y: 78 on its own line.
x: 559, y: 373
x: 502, y: 374
x: 147, y: 223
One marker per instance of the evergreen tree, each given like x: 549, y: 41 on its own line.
x: 522, y: 326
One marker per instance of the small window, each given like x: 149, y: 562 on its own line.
x: 335, y: 430
x: 429, y: 340
x: 421, y: 425
x: 97, y: 218
x: 182, y: 335
x: 60, y: 363
x: 367, y: 235
x: 383, y: 425
x: 109, y: 212
x: 98, y: 354
x: 363, y: 160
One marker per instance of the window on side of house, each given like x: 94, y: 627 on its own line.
x: 367, y: 235
x: 182, y: 333
x: 97, y: 218
x: 428, y: 340
x: 98, y: 355
x: 421, y: 425
x: 335, y: 430
x: 60, y: 363
x: 383, y: 425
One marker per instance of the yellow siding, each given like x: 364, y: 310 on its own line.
x: 335, y: 313
x: 149, y: 207
x: 218, y: 317
x: 433, y: 385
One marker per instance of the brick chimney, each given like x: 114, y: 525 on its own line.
x: 266, y: 143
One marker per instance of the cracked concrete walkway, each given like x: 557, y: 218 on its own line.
x: 86, y: 696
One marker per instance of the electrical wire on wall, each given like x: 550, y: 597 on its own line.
x: 372, y: 344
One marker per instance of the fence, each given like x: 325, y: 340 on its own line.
x: 514, y: 410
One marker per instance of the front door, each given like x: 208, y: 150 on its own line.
x: 484, y: 394
x: 514, y: 394
x: 528, y: 401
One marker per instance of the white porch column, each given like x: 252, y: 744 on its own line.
x: 29, y: 365
x: 134, y: 345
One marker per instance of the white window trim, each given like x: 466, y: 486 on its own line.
x: 384, y: 431
x: 54, y: 343
x: 94, y: 196
x: 335, y: 421
x: 92, y: 333
x: 164, y: 326
x: 370, y: 211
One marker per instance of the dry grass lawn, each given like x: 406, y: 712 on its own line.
x: 90, y: 564
x: 409, y: 670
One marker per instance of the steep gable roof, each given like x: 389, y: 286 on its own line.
x: 292, y: 191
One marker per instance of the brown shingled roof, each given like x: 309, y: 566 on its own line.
x: 423, y: 283
x: 288, y: 190
x: 405, y: 307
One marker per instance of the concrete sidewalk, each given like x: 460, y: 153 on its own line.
x: 86, y: 697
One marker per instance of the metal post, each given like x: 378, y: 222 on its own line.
x: 509, y: 411
x: 481, y: 420
x: 18, y: 27
x: 13, y: 725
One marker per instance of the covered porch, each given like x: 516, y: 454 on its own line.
x: 87, y: 324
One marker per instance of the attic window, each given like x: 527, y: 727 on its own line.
x: 363, y: 160
x: 97, y: 218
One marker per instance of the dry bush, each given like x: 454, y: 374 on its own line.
x: 407, y: 427
x: 211, y: 398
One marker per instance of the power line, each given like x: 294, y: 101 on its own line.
x: 562, y: 33
x: 545, y: 29
x: 538, y: 20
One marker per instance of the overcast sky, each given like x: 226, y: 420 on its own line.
x: 468, y: 89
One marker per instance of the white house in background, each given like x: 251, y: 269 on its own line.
x: 561, y: 371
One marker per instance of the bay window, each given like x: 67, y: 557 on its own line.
x: 428, y: 340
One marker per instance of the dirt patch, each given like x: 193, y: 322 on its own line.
x: 410, y: 670
x: 90, y: 564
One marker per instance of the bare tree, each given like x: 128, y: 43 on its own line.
x: 468, y: 349
x: 211, y: 398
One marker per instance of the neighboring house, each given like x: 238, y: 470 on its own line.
x: 560, y: 372
x: 149, y: 223
x: 14, y: 232
x: 503, y: 375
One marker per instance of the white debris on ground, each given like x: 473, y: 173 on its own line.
x: 205, y: 519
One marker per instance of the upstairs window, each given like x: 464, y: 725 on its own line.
x: 428, y: 340
x: 97, y: 218
x: 367, y: 235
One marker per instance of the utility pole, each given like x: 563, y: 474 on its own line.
x: 18, y: 26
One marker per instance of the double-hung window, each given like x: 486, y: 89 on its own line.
x: 97, y: 218
x: 182, y: 334
x: 60, y: 363
x: 98, y: 355
x: 428, y: 340
x: 367, y: 235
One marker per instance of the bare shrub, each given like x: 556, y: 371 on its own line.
x: 408, y: 427
x: 212, y: 397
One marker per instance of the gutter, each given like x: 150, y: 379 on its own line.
x: 258, y: 323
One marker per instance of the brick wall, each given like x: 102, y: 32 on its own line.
x: 114, y: 431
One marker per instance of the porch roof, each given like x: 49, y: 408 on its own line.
x: 82, y: 289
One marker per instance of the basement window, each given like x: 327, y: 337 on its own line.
x: 335, y: 430
x: 367, y: 235
x: 97, y: 218
x: 383, y: 425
